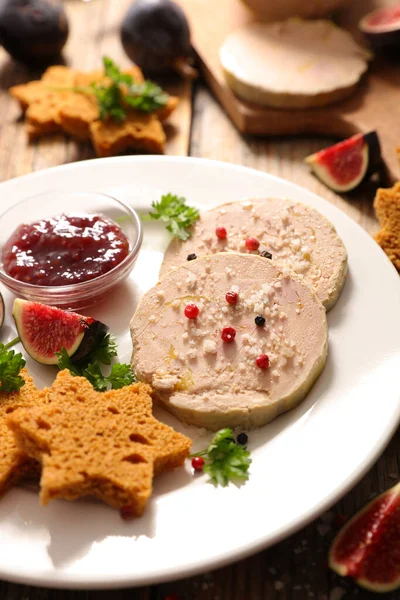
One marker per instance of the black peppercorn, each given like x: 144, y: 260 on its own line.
x: 266, y: 254
x: 259, y: 321
x: 191, y: 256
x: 242, y: 439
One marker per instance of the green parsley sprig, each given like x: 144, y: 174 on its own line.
x: 177, y: 216
x: 121, y: 92
x: 146, y: 96
x: 10, y: 368
x: 224, y: 459
x: 89, y: 367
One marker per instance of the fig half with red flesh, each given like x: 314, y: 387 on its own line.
x: 45, y: 330
x: 343, y: 167
x: 382, y: 27
x: 368, y: 547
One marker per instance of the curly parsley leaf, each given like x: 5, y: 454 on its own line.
x: 120, y: 376
x: 109, y: 100
x: 65, y: 362
x: 224, y: 459
x: 146, y: 96
x: 123, y: 91
x: 96, y: 377
x: 89, y: 367
x: 177, y: 216
x: 10, y: 367
x: 105, y: 351
x: 112, y: 71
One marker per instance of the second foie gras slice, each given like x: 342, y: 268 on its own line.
x: 297, y: 237
x: 292, y: 64
x: 213, y: 383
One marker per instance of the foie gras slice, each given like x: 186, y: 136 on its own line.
x: 297, y: 236
x: 212, y: 383
x: 293, y: 63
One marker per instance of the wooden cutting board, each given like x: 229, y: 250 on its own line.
x: 375, y: 105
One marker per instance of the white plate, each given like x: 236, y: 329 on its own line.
x: 302, y: 462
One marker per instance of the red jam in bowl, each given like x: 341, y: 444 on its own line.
x: 65, y: 249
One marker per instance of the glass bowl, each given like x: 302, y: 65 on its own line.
x: 57, y: 202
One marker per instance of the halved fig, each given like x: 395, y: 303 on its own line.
x: 343, y: 167
x: 2, y: 311
x: 367, y: 548
x: 382, y: 27
x: 44, y: 330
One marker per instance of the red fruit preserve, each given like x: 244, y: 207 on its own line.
x: 65, y: 249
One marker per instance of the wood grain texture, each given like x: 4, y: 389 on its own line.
x: 295, y: 569
x: 371, y: 107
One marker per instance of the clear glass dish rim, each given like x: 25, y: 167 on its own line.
x: 60, y: 290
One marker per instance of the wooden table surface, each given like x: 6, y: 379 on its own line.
x: 295, y: 569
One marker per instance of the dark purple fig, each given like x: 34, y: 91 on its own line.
x: 33, y: 31
x: 2, y: 311
x: 155, y: 35
x: 382, y: 27
x: 344, y: 166
x: 45, y: 330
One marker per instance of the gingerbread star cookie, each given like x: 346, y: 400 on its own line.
x: 40, y: 100
x: 139, y: 130
x: 14, y: 463
x: 59, y: 103
x: 106, y: 445
x: 387, y: 210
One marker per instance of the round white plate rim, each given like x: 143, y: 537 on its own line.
x: 260, y: 543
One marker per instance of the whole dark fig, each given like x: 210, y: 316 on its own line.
x: 33, y: 30
x: 155, y: 35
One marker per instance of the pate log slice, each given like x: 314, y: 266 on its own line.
x: 292, y: 64
x: 297, y: 236
x: 212, y: 383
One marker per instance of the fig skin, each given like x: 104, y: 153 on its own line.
x: 93, y: 335
x: 33, y: 31
x: 155, y: 35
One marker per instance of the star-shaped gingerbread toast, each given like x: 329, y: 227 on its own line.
x: 14, y: 463
x: 61, y: 101
x: 387, y: 210
x: 102, y: 444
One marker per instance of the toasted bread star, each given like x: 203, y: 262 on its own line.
x: 78, y: 112
x: 41, y: 100
x: 387, y: 209
x: 142, y: 131
x: 14, y: 463
x: 62, y: 101
x: 107, y: 445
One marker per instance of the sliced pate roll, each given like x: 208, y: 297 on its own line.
x: 292, y: 64
x: 229, y: 340
x: 294, y: 235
